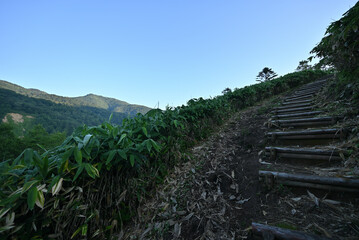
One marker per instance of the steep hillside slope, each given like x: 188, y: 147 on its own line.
x: 90, y: 100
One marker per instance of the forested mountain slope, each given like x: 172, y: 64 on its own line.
x: 90, y: 100
x: 53, y: 116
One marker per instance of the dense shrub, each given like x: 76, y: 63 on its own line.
x: 340, y: 48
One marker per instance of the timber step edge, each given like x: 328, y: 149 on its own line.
x: 293, y: 105
x: 296, y: 109
x: 304, y: 153
x: 317, y: 119
x: 272, y: 232
x: 301, y: 97
x: 310, y: 181
x: 295, y: 115
x: 297, y: 102
x: 336, y: 133
x: 313, y: 89
x: 304, y: 122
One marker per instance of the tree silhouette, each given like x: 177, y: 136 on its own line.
x: 226, y: 90
x: 339, y: 47
x: 303, y: 65
x: 266, y: 74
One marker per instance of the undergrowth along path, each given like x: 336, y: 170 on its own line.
x: 217, y: 194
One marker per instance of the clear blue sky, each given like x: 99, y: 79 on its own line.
x: 150, y: 51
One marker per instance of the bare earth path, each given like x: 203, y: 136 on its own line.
x: 216, y: 195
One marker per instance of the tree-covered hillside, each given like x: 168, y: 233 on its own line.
x: 52, y: 116
x: 90, y: 100
x: 36, y: 138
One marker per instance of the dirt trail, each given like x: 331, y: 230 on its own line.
x: 226, y: 197
x: 217, y: 194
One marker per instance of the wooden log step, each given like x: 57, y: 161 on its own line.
x: 303, y: 97
x: 303, y: 153
x: 319, y: 84
x: 323, y: 81
x: 271, y: 232
x: 305, y: 92
x: 293, y: 106
x: 307, y: 97
x: 309, y: 90
x: 299, y: 97
x: 297, y: 109
x: 312, y: 86
x: 314, y: 151
x: 317, y: 119
x: 311, y: 181
x: 301, y: 124
x: 305, y: 122
x: 296, y: 115
x: 316, y: 83
x: 297, y: 102
x: 308, y: 134
x: 295, y: 95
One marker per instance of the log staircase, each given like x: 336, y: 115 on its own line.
x: 301, y: 136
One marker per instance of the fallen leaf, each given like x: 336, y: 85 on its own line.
x: 243, y: 201
x: 188, y: 217
x: 314, y: 198
x: 331, y: 202
x: 177, y: 230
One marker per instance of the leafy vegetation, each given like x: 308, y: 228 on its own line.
x: 304, y: 65
x: 339, y: 49
x: 9, y: 143
x: 91, y: 184
x: 37, y: 138
x: 340, y: 45
x: 266, y: 74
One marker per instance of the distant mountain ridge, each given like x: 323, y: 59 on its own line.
x: 90, y: 100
